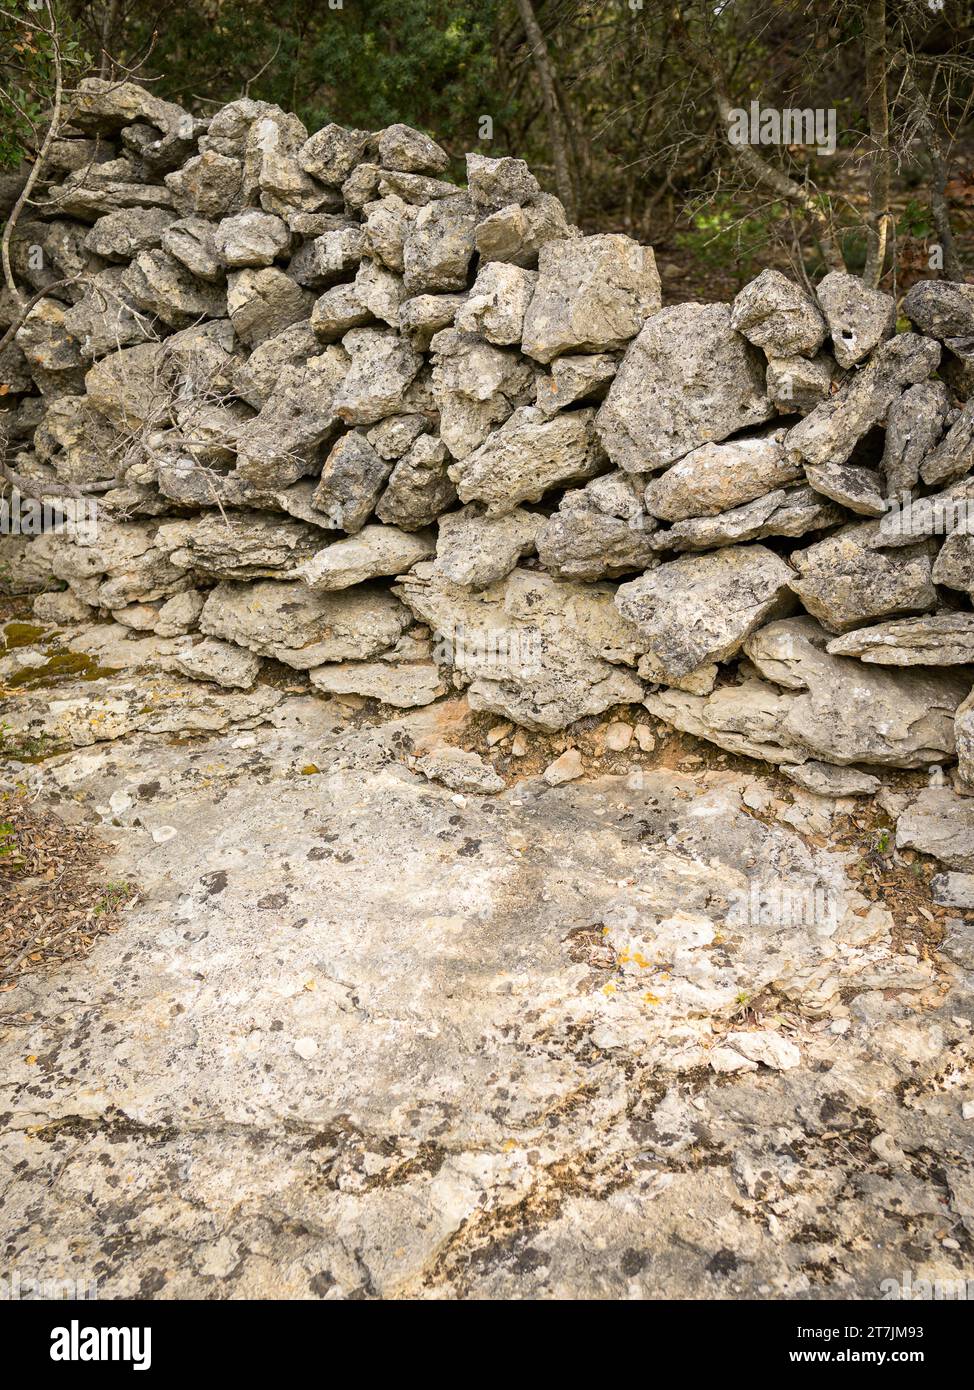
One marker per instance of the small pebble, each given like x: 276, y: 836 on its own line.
x: 618, y: 736
x: 565, y: 768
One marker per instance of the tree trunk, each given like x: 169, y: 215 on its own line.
x: 556, y: 131
x: 877, y: 232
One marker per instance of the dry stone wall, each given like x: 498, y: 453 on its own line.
x: 412, y: 438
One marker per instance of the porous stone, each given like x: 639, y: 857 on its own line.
x: 687, y: 379
x: 374, y: 551
x: 592, y: 294
x: 223, y: 663
x: 700, y: 608
x: 474, y: 548
x: 526, y: 456
x: 845, y: 579
x: 777, y: 315
x: 858, y: 316
x: 937, y: 639
x: 715, y: 477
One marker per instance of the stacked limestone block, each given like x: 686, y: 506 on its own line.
x: 411, y: 437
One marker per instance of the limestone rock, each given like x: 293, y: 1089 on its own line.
x: 599, y: 531
x: 419, y: 487
x: 533, y: 650
x: 497, y: 183
x: 700, y: 608
x: 412, y: 152
x: 352, y: 479
x: 251, y: 238
x: 382, y: 367
x: 517, y: 234
x: 439, y: 247
x: 937, y: 639
x: 914, y: 424
x: 496, y: 305
x: 118, y: 236
x: 954, y: 455
x: 209, y: 185
x: 825, y: 780
x: 942, y: 308
x: 336, y: 311
x: 405, y: 685
x: 459, y: 770
x: 592, y: 294
x: 859, y: 489
x: 586, y: 377
x: 526, y: 456
x: 716, y: 477
x: 262, y: 303
x: 424, y: 315
x: 687, y: 379
x: 374, y: 551
x: 475, y: 386
x: 796, y: 385
x: 221, y: 662
x: 330, y: 154
x: 833, y: 429
x: 939, y: 822
x: 784, y: 512
x: 846, y: 712
x: 859, y: 317
x: 280, y: 445
x: 191, y: 241
x: 776, y: 314
x: 475, y: 549
x: 238, y: 545
x: 844, y: 582
x: 288, y: 621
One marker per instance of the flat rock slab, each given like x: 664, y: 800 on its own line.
x: 362, y: 1039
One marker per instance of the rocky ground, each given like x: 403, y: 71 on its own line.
x: 672, y: 1027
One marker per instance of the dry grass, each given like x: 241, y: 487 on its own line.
x: 54, y: 899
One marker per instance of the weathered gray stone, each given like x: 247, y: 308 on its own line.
x: 592, y: 294
x: 497, y: 183
x: 239, y: 545
x: 700, y: 608
x: 599, y: 531
x: 526, y: 456
x: 440, y: 246
x: 954, y: 565
x: 352, y: 479
x: 941, y: 823
x: 937, y: 639
x: 833, y: 429
x: 475, y: 549
x: 373, y: 552
x: 419, y: 487
x: 686, y: 380
x: 424, y: 315
x: 291, y: 623
x: 386, y: 224
x: 330, y: 154
x: 844, y: 582
x: 475, y: 387
x: 716, y: 477
x: 381, y: 369
x: 845, y: 712
x: 573, y: 379
x: 380, y: 291
x: 262, y: 303
x: 857, y: 488
x: 496, y: 305
x: 914, y: 424
x: 784, y: 512
x: 328, y: 258
x: 459, y: 770
x: 282, y: 443
x: 256, y: 379
x: 191, y: 241
x: 156, y: 281
x: 859, y: 317
x: 953, y: 890
x: 942, y: 308
x: 776, y: 314
x: 210, y: 185
x: 796, y: 385
x: 221, y: 662
x: 533, y: 650
x: 336, y: 311
x: 120, y: 235
x: 825, y: 780
x: 251, y: 238
x: 404, y: 685
x: 954, y: 455
x: 517, y: 234
x: 412, y: 152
